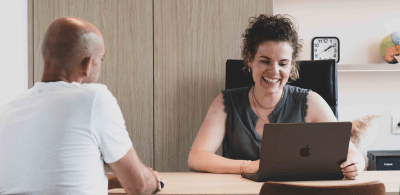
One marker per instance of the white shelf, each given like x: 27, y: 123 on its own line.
x: 368, y: 67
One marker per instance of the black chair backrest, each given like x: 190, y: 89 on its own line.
x: 320, y: 76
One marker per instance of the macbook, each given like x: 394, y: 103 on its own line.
x: 303, y: 151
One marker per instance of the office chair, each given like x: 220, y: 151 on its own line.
x: 320, y: 76
x: 366, y: 188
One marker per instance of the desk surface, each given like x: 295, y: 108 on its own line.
x: 208, y: 183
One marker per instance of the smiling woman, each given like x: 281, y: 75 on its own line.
x: 237, y: 116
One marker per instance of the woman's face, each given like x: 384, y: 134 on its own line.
x: 271, y: 66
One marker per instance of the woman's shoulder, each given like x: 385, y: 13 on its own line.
x: 236, y: 94
x: 235, y: 91
x: 236, y: 97
x: 296, y: 90
x: 296, y: 93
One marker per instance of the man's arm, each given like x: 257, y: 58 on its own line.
x: 134, y: 176
x: 113, y: 181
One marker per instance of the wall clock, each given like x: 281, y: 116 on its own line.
x: 325, y: 48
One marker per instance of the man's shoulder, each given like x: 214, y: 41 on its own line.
x: 94, y: 92
x: 65, y: 92
x: 87, y: 89
x: 95, y: 87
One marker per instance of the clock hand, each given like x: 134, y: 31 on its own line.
x: 326, y: 49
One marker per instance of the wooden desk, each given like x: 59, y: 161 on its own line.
x: 208, y: 183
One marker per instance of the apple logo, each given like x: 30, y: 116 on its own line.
x: 305, y: 152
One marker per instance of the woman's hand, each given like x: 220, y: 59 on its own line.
x: 251, y: 166
x: 353, y: 167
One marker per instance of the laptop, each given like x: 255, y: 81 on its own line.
x: 302, y: 151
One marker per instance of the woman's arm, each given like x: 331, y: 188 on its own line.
x: 319, y: 111
x: 202, y: 155
x: 355, y: 163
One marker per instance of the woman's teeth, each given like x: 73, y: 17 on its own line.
x: 268, y: 80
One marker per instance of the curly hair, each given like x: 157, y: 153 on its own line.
x: 270, y: 28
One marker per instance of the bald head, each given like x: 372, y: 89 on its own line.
x: 69, y: 42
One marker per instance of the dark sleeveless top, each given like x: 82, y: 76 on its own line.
x: 241, y: 140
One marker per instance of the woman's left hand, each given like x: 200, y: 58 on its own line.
x: 353, y: 167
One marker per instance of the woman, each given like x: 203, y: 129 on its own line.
x: 236, y: 117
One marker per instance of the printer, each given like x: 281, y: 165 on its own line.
x: 382, y: 160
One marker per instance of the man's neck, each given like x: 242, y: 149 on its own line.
x: 52, y: 74
x: 48, y: 77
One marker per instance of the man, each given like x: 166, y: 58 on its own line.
x: 55, y: 138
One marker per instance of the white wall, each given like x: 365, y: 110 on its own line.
x: 368, y: 93
x: 13, y: 49
x: 360, y: 26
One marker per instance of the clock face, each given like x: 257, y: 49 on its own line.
x: 325, y: 48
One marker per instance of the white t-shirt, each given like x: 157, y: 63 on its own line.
x: 55, y: 137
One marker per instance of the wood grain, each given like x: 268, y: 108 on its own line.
x: 207, y: 183
x: 193, y: 39
x: 127, y: 70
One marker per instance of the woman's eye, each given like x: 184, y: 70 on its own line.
x: 265, y: 62
x: 283, y: 64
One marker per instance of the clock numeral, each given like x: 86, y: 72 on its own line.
x: 330, y: 40
x: 316, y: 45
x: 325, y: 40
x: 320, y: 58
x: 315, y: 50
x: 316, y: 55
x: 320, y: 41
x: 335, y: 50
x: 334, y: 44
x: 334, y: 55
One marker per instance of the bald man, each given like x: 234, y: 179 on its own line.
x: 55, y: 138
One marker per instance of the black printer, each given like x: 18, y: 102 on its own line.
x: 382, y: 160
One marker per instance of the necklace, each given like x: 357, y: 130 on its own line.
x: 254, y: 97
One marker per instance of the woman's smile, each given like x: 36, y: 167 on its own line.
x: 271, y: 66
x: 271, y: 80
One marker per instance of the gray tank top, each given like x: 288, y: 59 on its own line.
x: 241, y: 140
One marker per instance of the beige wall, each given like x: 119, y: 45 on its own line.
x: 189, y: 40
x: 127, y: 69
x: 192, y: 41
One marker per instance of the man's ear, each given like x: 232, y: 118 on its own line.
x: 86, y: 65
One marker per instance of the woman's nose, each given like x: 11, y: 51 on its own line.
x: 273, y: 68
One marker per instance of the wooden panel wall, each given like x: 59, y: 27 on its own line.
x: 192, y: 41
x: 127, y: 27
